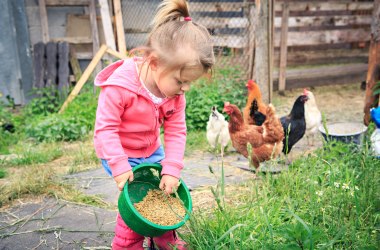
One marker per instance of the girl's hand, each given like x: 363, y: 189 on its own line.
x: 123, y: 178
x: 169, y: 183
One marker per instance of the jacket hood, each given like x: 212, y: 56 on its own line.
x: 121, y: 73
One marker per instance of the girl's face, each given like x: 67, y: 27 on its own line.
x: 175, y: 82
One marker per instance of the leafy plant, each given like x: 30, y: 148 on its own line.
x: 226, y: 85
x: 46, y: 101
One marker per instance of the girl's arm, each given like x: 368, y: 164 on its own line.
x: 111, y: 104
x: 175, y: 140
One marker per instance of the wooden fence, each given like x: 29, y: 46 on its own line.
x: 316, y: 42
x: 327, y: 42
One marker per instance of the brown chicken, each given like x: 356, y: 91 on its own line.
x: 255, y: 110
x: 266, y: 140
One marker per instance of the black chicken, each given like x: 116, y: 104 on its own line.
x: 255, y: 114
x: 294, y: 124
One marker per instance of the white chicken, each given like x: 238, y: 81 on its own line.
x: 313, y: 117
x: 217, y: 130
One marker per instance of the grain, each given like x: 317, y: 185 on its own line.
x: 160, y: 208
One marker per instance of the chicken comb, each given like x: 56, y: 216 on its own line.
x: 305, y: 91
x: 250, y: 83
x: 226, y: 104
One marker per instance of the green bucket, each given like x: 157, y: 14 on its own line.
x: 147, y: 177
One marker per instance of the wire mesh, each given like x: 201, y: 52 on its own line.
x: 228, y: 22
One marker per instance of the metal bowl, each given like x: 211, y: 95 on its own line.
x: 346, y: 132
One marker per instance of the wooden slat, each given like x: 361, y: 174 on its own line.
x: 67, y: 2
x: 328, y: 13
x: 326, y: 75
x: 44, y: 21
x: 73, y: 40
x: 39, y: 65
x: 63, y: 67
x: 86, y: 74
x: 330, y: 5
x: 107, y: 25
x: 329, y: 70
x: 324, y: 37
x: 283, y: 47
x: 333, y: 56
x: 95, y: 33
x: 51, y: 64
x: 122, y: 47
x: 325, y: 21
x: 74, y: 63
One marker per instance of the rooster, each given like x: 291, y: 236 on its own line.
x: 255, y: 110
x: 313, y: 117
x: 217, y: 130
x: 266, y: 140
x: 294, y: 124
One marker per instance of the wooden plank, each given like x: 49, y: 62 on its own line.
x: 74, y: 63
x: 328, y: 13
x: 44, y: 21
x: 67, y: 2
x: 116, y: 54
x: 39, y: 65
x: 251, y: 44
x: 63, y: 68
x: 73, y: 40
x: 332, y: 56
x: 122, y: 47
x: 84, y: 78
x: 95, y: 34
x: 79, y: 26
x: 324, y: 37
x: 283, y: 46
x: 107, y: 25
x: 262, y: 48
x: 325, y: 75
x: 325, y: 21
x: 326, y: 70
x: 51, y: 64
x: 330, y: 5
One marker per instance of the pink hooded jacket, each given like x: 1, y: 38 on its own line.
x: 128, y: 122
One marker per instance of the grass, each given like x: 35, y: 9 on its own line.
x: 327, y: 200
x: 37, y: 169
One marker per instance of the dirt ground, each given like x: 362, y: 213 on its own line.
x: 339, y: 103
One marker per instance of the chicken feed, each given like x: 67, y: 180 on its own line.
x: 160, y: 208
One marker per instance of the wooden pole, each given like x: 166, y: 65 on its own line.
x: 271, y: 48
x: 261, y: 64
x: 95, y: 33
x: 251, y: 35
x: 283, y: 47
x: 373, y: 74
x: 44, y: 21
x: 122, y: 47
x: 107, y: 25
x: 86, y: 74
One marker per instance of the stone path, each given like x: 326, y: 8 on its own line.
x: 57, y: 224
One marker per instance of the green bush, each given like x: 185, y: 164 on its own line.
x: 57, y: 128
x: 226, y: 85
x: 73, y: 124
x: 46, y: 101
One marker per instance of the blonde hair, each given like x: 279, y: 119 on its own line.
x: 179, y: 43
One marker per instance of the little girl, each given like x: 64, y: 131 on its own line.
x: 141, y: 94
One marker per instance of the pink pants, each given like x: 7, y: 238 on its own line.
x: 125, y: 238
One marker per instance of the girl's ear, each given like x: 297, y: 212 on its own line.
x: 153, y: 62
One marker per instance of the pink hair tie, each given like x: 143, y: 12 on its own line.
x: 187, y: 18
